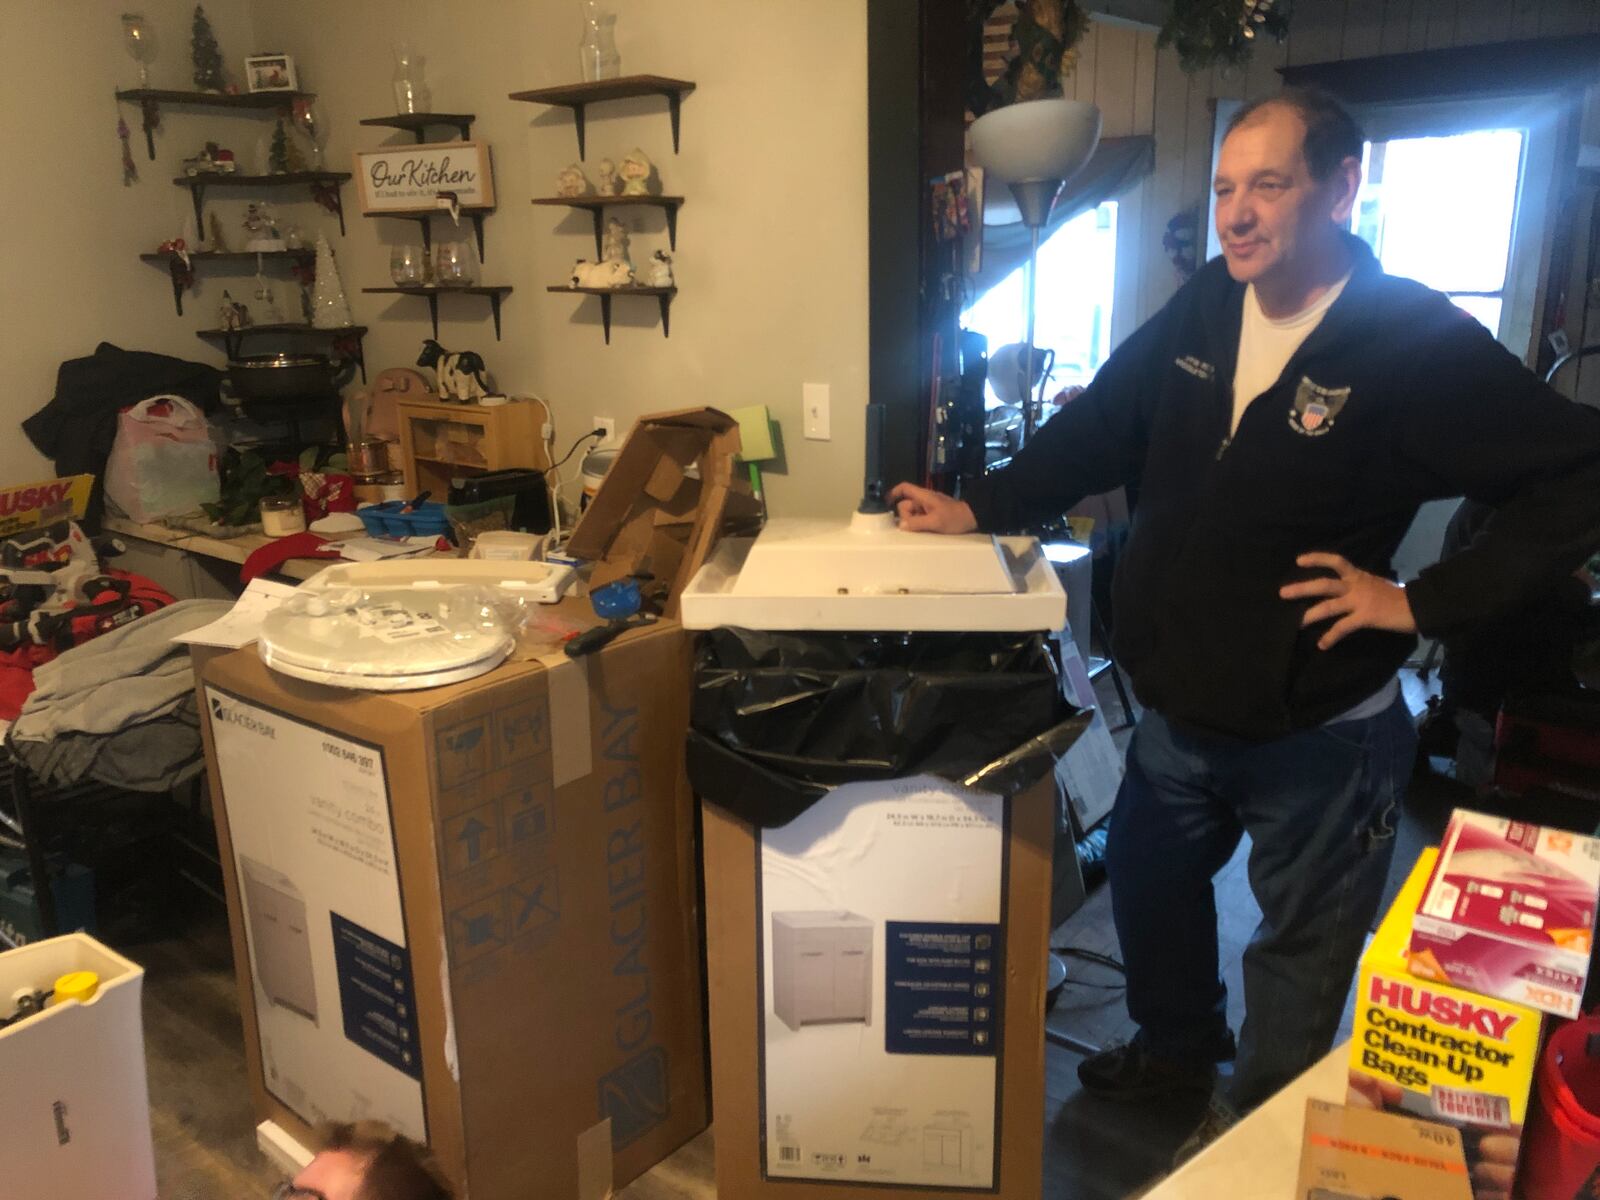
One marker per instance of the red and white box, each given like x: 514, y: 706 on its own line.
x: 1509, y: 911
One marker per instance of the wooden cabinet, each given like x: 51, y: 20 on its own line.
x: 439, y: 442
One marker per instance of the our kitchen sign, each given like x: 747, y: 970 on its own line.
x: 409, y: 179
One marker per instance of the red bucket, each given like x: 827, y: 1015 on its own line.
x: 1561, y: 1148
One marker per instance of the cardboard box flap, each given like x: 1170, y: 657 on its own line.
x: 648, y: 515
x: 666, y: 480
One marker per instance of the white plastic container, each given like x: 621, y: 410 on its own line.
x: 822, y: 575
x: 74, y: 1105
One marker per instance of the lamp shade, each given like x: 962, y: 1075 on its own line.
x: 1036, y: 139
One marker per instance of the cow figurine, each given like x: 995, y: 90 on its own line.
x: 586, y: 274
x: 460, y: 372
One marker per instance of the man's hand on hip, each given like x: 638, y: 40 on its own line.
x: 924, y: 511
x: 1354, y: 599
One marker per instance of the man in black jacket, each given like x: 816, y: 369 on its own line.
x: 1284, y: 415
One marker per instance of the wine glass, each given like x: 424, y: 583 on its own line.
x: 452, y: 264
x: 406, y: 266
x: 140, y: 41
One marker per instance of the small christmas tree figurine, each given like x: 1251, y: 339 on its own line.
x: 329, y: 308
x: 278, y: 154
x: 206, y: 53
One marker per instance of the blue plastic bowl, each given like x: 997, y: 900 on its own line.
x: 386, y: 519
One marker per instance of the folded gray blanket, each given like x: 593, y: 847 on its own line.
x: 119, y: 709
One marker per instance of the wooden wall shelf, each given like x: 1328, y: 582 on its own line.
x: 578, y: 96
x: 150, y: 101
x: 663, y: 295
x: 180, y: 277
x: 346, y: 339
x: 495, y: 294
x: 325, y: 188
x: 597, y: 205
x: 420, y: 123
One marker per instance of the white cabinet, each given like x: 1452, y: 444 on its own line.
x: 279, y: 937
x: 821, y: 967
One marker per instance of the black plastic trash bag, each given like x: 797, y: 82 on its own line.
x: 779, y: 718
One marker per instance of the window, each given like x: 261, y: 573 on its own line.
x: 1442, y: 211
x: 1077, y: 274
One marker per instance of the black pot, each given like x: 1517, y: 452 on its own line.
x: 288, y: 376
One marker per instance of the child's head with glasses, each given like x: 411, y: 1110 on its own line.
x: 366, y: 1161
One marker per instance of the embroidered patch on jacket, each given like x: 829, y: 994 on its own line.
x: 1316, y: 408
x: 1191, y: 364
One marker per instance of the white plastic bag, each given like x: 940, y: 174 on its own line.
x: 163, y: 463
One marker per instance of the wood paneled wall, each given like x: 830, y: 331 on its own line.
x: 1144, y: 90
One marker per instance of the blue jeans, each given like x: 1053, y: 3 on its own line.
x: 1318, y: 806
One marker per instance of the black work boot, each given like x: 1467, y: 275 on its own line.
x: 1130, y: 1071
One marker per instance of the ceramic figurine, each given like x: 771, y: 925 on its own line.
x: 638, y: 175
x: 659, y: 272
x: 581, y: 272
x: 460, y: 372
x: 573, y: 182
x: 262, y: 227
x: 611, y: 274
x: 232, y: 314
x: 609, y: 183
x: 615, y: 246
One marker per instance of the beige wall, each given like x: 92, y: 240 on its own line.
x: 772, y: 240
x: 73, y: 232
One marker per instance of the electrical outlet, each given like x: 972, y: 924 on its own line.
x: 609, y: 424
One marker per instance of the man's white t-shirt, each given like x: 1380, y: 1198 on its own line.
x: 1265, y: 348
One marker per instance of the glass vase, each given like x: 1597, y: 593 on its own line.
x: 411, y: 93
x: 597, y: 52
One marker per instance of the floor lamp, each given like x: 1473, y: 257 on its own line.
x: 1034, y: 147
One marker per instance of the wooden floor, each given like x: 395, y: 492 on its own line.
x: 205, y: 1136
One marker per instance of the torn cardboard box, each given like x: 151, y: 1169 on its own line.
x: 665, y: 500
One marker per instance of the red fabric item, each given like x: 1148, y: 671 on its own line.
x: 1561, y: 1147
x: 278, y: 551
x: 16, y: 677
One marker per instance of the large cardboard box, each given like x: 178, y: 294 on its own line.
x: 877, y: 987
x: 470, y: 911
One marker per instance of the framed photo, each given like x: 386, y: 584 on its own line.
x: 271, y: 73
x: 410, y: 179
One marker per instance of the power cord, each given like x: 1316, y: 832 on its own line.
x: 557, y: 485
x: 593, y: 433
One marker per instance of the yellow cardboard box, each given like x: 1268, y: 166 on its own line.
x: 1439, y: 1052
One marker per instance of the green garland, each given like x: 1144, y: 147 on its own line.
x: 1205, y: 33
x: 1210, y: 32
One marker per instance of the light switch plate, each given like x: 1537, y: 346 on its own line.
x: 814, y: 404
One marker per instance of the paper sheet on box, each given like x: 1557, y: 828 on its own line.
x: 242, y: 624
x: 371, y: 549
